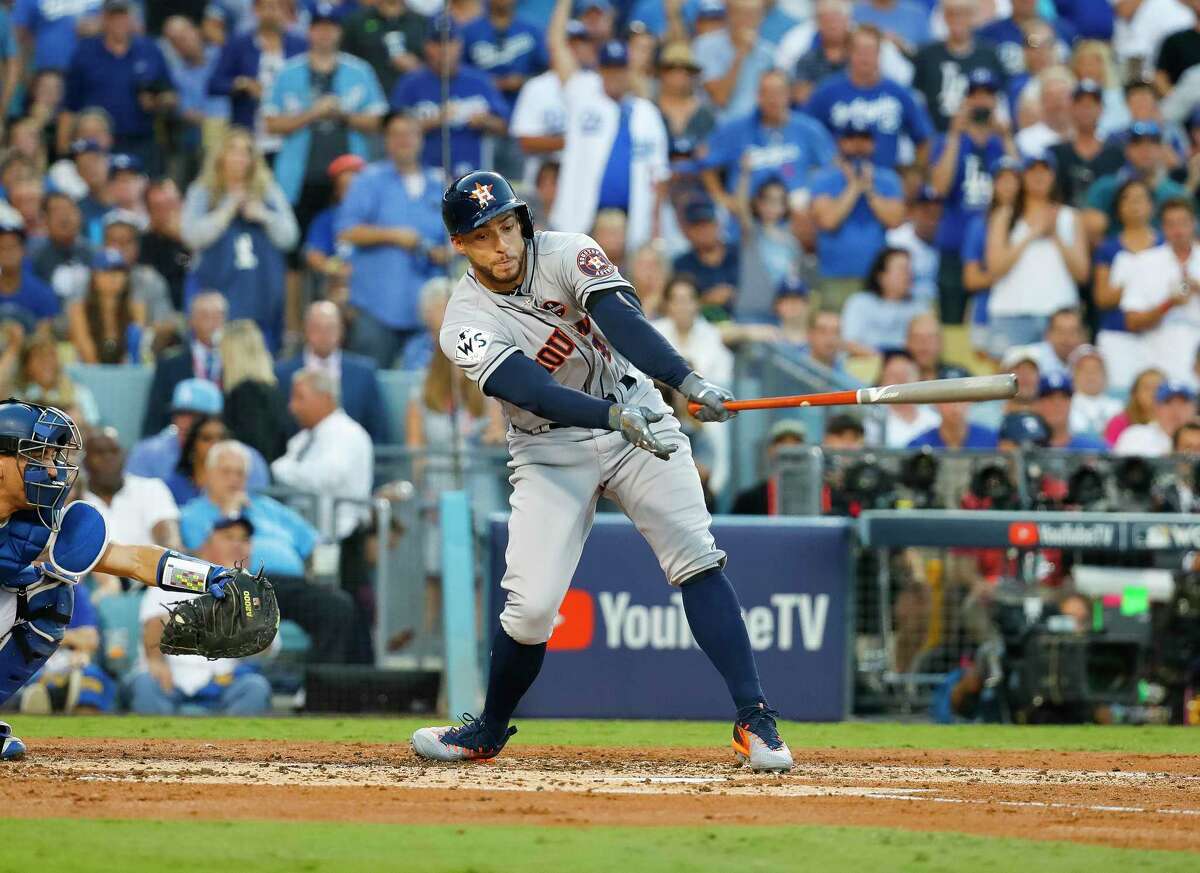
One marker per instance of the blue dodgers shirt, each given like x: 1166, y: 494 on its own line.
x: 886, y: 107
x: 471, y: 92
x: 614, y: 184
x: 978, y: 437
x: 52, y: 24
x: 847, y: 251
x: 519, y: 49
x: 33, y: 301
x: 97, y: 77
x: 791, y: 152
x: 971, y: 191
x: 1009, y: 40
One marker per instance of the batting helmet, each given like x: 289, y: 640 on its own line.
x: 476, y: 198
x: 45, y: 438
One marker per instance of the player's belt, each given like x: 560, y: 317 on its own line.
x: 541, y: 428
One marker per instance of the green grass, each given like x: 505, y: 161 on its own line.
x: 675, y: 734
x: 81, y: 846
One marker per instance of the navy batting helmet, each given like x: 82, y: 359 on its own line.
x: 45, y: 438
x: 476, y: 198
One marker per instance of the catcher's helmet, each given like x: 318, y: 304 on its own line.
x: 476, y: 198
x: 45, y: 438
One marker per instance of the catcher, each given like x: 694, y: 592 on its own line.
x: 46, y: 548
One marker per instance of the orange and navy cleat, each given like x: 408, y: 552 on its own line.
x: 756, y: 739
x: 470, y: 741
x: 11, y: 748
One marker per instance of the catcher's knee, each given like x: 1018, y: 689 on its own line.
x: 43, y: 612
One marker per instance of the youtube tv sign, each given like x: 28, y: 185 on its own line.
x: 622, y: 648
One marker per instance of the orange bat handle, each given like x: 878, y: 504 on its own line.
x: 830, y: 398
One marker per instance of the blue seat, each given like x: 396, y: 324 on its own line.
x: 121, y: 391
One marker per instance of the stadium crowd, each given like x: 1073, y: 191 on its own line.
x: 244, y: 195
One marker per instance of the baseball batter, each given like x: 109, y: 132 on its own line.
x: 546, y: 324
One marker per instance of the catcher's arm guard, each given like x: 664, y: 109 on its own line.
x: 236, y: 618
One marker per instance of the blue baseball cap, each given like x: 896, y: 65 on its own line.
x: 613, y: 54
x: 1173, y: 388
x: 443, y: 27
x: 1006, y: 162
x: 1055, y: 383
x: 228, y: 521
x: 125, y: 217
x: 1145, y: 130
x: 854, y: 127
x: 1024, y: 429
x: 326, y: 12
x: 982, y: 79
x: 84, y: 146
x: 122, y: 163
x: 109, y: 259
x: 588, y: 5
x: 197, y: 395
x: 1046, y: 158
x: 699, y: 210
x: 710, y: 9
x: 791, y: 286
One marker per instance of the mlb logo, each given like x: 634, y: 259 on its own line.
x: 575, y: 624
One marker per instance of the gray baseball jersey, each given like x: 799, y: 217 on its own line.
x: 559, y: 473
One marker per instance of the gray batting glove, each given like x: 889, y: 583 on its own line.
x: 634, y: 424
x: 711, y: 398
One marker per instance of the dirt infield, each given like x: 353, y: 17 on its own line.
x: 1132, y: 801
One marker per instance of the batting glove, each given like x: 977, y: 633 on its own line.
x: 711, y: 398
x: 634, y: 424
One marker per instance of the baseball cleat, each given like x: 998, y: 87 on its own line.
x: 756, y: 739
x: 11, y: 748
x: 470, y: 741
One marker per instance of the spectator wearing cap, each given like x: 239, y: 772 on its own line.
x: 1143, y: 160
x: 248, y: 65
x: 733, y: 58
x: 91, y: 165
x: 901, y: 423
x: 1037, y: 257
x: 124, y: 73
x: 773, y: 142
x: 791, y: 312
x: 923, y: 342
x: 127, y: 186
x: 711, y: 262
x: 122, y: 233
x: 1008, y: 34
x: 1092, y: 408
x: 1160, y: 294
x: 238, y: 223
x: 162, y: 243
x: 388, y: 36
x: 324, y: 103
x: 688, y: 115
x: 615, y: 145
x: 1174, y: 405
x: 392, y: 218
x: 1022, y: 430
x: 198, y: 357
x: 92, y: 124
x: 1055, y: 392
x: 942, y: 70
x: 474, y: 110
x: 62, y: 259
x: 321, y: 252
x: 855, y: 202
x: 1022, y: 362
x: 25, y: 299
x: 763, y: 498
x: 191, y: 62
x: 693, y: 337
x: 1064, y: 334
x: 105, y: 326
x: 1142, y: 100
x: 961, y: 175
x: 918, y: 237
x: 877, y: 317
x: 506, y: 47
x: 157, y: 456
x: 50, y: 30
x: 1083, y: 157
x: 863, y: 97
x: 955, y: 431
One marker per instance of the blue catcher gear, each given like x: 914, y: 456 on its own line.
x: 44, y: 439
x: 79, y: 543
x: 43, y: 611
x: 476, y: 198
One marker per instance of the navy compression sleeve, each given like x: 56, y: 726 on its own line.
x: 619, y: 316
x: 526, y: 384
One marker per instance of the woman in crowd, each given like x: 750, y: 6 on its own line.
x: 42, y: 379
x: 187, y: 480
x: 1140, y: 407
x: 697, y: 340
x: 877, y: 318
x: 255, y: 412
x: 106, y: 325
x: 239, y: 224
x: 770, y: 250
x: 977, y: 279
x: 1037, y: 254
x: 1135, y: 211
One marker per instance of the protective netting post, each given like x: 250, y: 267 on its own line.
x: 458, y: 604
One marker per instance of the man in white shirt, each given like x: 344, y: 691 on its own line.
x: 1091, y: 407
x: 191, y: 684
x: 1160, y: 294
x: 1174, y: 405
x: 332, y: 456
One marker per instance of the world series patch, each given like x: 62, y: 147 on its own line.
x: 594, y: 263
x: 471, y: 345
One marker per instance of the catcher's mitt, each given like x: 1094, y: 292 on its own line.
x: 241, y: 622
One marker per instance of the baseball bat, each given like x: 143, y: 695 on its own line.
x: 971, y: 388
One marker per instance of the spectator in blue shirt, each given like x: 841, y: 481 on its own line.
x: 322, y: 252
x: 961, y: 175
x: 24, y: 298
x: 904, y: 22
x: 862, y: 95
x: 191, y: 64
x: 124, y: 74
x: 733, y: 58
x: 854, y: 204
x: 776, y: 142
x: 248, y: 65
x: 876, y: 319
x: 52, y: 27
x: 1053, y: 404
x: 475, y: 108
x: 711, y: 262
x: 955, y: 432
x: 1008, y: 34
x: 392, y: 218
x: 508, y: 49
